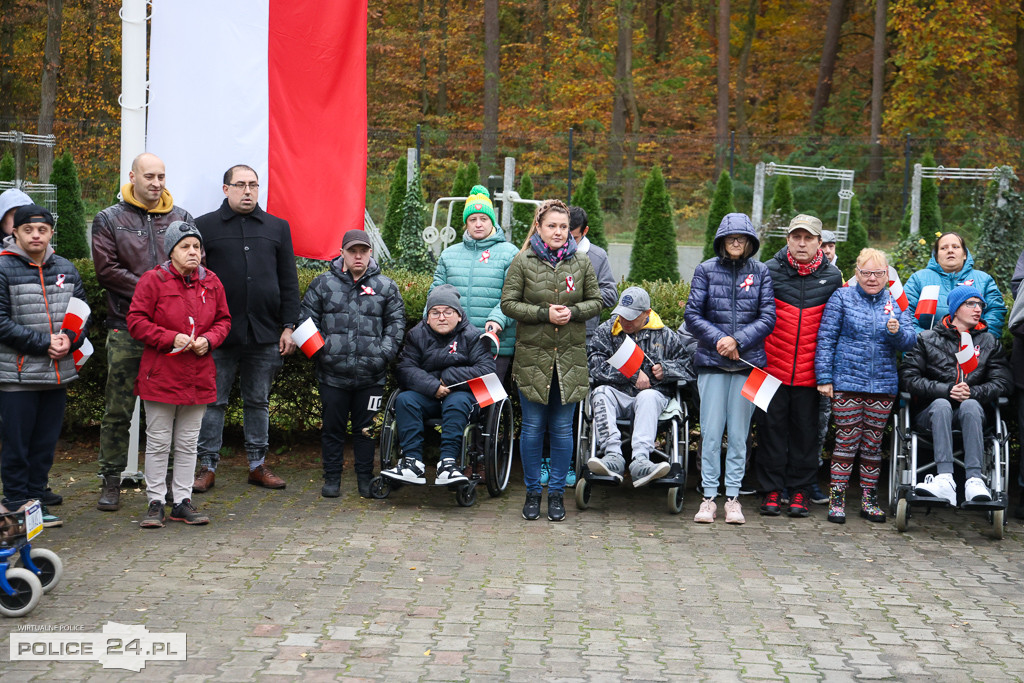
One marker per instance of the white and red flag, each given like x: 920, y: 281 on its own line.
x: 308, y: 338
x: 896, y: 289
x: 277, y: 85
x: 760, y: 388
x: 75, y: 316
x: 82, y: 354
x: 628, y: 358
x: 967, y: 356
x: 495, y: 342
x: 929, y: 301
x: 487, y: 389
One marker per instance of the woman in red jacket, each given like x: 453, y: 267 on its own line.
x: 180, y: 313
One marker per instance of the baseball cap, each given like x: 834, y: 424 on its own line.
x: 355, y: 236
x: 804, y: 222
x: 633, y: 302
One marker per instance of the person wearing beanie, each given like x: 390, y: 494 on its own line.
x: 361, y: 316
x: 251, y: 252
x: 947, y: 395
x: 828, y: 246
x: 179, y: 312
x: 36, y: 364
x: 443, y: 350
x: 127, y: 241
x: 10, y: 200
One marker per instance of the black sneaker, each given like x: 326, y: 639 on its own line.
x: 154, y: 518
x: 50, y: 499
x: 331, y: 488
x: 798, y: 505
x: 770, y: 506
x: 556, y: 508
x: 531, y: 510
x: 186, y: 512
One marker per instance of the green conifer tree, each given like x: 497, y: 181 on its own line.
x: 588, y: 198
x: 654, y: 255
x: 413, y: 253
x: 392, y: 227
x: 522, y: 214
x: 721, y: 204
x: 69, y: 241
x: 780, y: 213
x: 7, y: 168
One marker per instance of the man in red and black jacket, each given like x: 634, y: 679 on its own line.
x: 803, y: 280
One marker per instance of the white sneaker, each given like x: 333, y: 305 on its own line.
x: 733, y: 512
x: 938, y: 486
x: 706, y: 514
x: 408, y: 470
x: 447, y: 473
x: 643, y: 471
x: 975, y: 490
x: 598, y: 466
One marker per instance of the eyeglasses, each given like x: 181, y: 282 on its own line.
x: 972, y: 304
x: 242, y: 186
x: 872, y: 273
x: 736, y: 239
x: 442, y: 313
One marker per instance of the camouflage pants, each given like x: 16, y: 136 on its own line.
x: 123, y: 357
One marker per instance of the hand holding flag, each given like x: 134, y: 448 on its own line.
x: 74, y: 318
x: 967, y: 356
x: 308, y: 338
x: 191, y: 338
x: 628, y: 358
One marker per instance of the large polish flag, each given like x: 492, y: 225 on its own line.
x: 277, y: 85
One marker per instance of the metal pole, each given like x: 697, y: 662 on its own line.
x: 419, y: 143
x: 569, y: 200
x: 732, y: 150
x: 906, y: 175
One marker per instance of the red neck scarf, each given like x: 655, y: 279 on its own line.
x: 806, y: 268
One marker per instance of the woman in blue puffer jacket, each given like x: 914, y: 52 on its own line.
x: 477, y: 267
x: 730, y: 311
x: 855, y: 362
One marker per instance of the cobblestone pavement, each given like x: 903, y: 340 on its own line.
x: 284, y: 585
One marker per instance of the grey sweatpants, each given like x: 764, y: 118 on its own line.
x: 644, y: 409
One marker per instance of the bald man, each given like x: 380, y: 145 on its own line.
x: 127, y: 240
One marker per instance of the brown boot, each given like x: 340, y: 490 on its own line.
x: 110, y: 493
x: 262, y: 476
x: 204, y: 480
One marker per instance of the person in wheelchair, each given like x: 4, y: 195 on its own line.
x: 641, y: 397
x: 956, y: 398
x: 442, y: 350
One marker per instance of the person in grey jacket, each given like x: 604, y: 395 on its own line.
x: 579, y: 228
x: 361, y: 316
x: 11, y: 201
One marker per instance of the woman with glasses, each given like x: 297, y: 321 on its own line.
x: 952, y: 266
x: 861, y: 333
x: 551, y: 291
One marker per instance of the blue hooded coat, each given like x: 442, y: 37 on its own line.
x: 933, y: 274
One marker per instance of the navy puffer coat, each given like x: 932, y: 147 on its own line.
x: 856, y: 351
x: 731, y: 299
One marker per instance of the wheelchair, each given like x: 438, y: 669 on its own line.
x: 673, y: 431
x: 906, y: 467
x: 22, y: 587
x: 486, y: 453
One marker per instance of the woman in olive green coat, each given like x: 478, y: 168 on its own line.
x: 550, y: 290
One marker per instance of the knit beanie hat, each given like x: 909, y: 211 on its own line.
x: 479, y: 201
x: 176, y: 232
x: 960, y: 294
x: 445, y: 295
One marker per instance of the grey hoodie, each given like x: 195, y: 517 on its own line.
x: 12, y: 199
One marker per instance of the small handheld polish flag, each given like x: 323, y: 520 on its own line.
x: 191, y: 334
x: 82, y: 354
x: 75, y: 316
x: 760, y: 388
x: 628, y: 358
x: 495, y: 343
x: 487, y: 389
x: 896, y: 289
x: 929, y: 301
x: 967, y: 357
x: 308, y: 338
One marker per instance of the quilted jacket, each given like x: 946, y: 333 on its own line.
x: 542, y: 348
x: 933, y: 274
x: 660, y: 344
x: 428, y: 358
x: 856, y: 351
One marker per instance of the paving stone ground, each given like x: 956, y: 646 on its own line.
x: 285, y: 585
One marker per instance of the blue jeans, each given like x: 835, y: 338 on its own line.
x: 722, y: 404
x: 556, y: 419
x: 257, y: 363
x: 412, y: 408
x: 31, y: 426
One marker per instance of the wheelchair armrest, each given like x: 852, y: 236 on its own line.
x: 904, y: 395
x: 1003, y: 401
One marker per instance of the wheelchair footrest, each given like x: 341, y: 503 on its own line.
x: 915, y: 499
x: 999, y: 503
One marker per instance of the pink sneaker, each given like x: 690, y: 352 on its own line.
x: 706, y: 514
x: 733, y: 512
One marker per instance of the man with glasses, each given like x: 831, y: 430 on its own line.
x: 441, y: 354
x: 126, y: 239
x: 251, y: 252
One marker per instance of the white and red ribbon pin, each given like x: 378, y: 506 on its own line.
x: 570, y: 284
x: 888, y: 308
x: 367, y: 290
x: 747, y: 281
x: 453, y: 347
x: 484, y: 256
x: 60, y: 280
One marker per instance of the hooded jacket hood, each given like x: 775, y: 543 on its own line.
x: 165, y: 204
x: 967, y: 267
x: 12, y: 199
x: 735, y: 224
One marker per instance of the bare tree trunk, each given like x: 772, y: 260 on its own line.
x: 1020, y: 65
x: 442, y: 60
x: 545, y: 51
x: 875, y: 169
x: 722, y: 122
x: 6, y: 52
x: 620, y: 103
x: 833, y: 25
x: 492, y: 65
x: 48, y: 89
x: 741, y: 75
x: 659, y: 18
x: 421, y: 25
x: 92, y: 14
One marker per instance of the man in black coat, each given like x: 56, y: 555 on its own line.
x: 442, y: 350
x: 251, y: 252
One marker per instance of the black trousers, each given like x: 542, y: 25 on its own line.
x: 31, y: 426
x: 339, y: 405
x: 787, y: 454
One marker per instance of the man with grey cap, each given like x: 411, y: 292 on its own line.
x: 361, y: 316
x: 803, y: 281
x: 441, y: 353
x: 828, y: 246
x: 640, y: 397
x: 10, y: 201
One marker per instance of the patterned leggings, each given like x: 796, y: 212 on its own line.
x: 860, y: 420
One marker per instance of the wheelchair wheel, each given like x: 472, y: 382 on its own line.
x: 675, y: 500
x: 50, y: 567
x: 902, y: 514
x: 465, y: 495
x: 380, y: 487
x: 388, y: 435
x: 27, y: 591
x: 498, y: 468
x: 998, y: 518
x: 583, y: 491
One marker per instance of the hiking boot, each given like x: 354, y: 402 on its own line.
x: 837, y: 505
x: 447, y: 473
x: 817, y: 496
x: 604, y: 468
x: 798, y: 505
x: 50, y: 499
x: 51, y: 520
x: 154, y: 518
x: 556, y: 508
x: 110, y: 493
x: 976, y: 491
x: 706, y: 514
x: 363, y: 482
x: 734, y: 512
x: 332, y: 486
x: 186, y: 512
x: 771, y: 505
x: 938, y: 486
x: 545, y: 471
x: 643, y: 471
x: 409, y: 470
x: 869, y: 509
x: 531, y: 510
x: 204, y: 480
